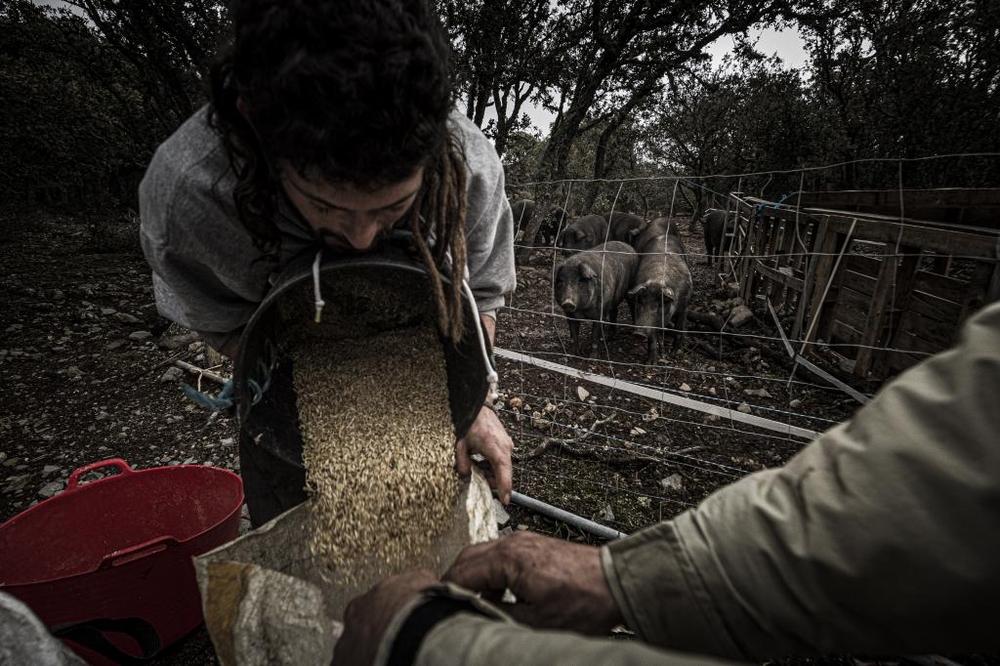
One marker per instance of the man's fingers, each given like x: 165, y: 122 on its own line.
x: 479, y: 569
x: 504, y: 473
x: 463, y: 463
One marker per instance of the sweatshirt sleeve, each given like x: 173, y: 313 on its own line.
x: 880, y: 536
x: 489, y: 225
x: 207, y: 276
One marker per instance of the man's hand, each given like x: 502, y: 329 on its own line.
x: 368, y: 616
x: 558, y: 584
x: 488, y: 437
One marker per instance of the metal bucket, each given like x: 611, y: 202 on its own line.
x: 263, y: 389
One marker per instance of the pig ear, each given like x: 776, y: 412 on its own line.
x: 668, y: 292
x: 636, y: 289
x: 586, y: 272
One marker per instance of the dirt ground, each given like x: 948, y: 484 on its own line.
x: 84, y: 360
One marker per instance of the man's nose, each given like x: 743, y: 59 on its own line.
x: 361, y: 233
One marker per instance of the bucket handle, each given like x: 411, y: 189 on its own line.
x: 74, y: 479
x: 138, y: 551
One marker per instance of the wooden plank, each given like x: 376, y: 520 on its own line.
x: 859, y: 282
x: 810, y: 277
x: 873, y: 331
x: 935, y: 332
x: 747, y: 259
x: 816, y: 370
x: 771, y: 227
x: 841, y: 332
x: 853, y: 299
x: 934, y: 197
x: 993, y: 286
x: 785, y: 260
x: 975, y: 295
x: 898, y: 361
x: 776, y: 276
x: 933, y: 238
x: 836, y: 283
x: 853, y: 317
x: 932, y: 307
x: 942, y: 264
x: 941, y: 286
x: 910, y: 341
x: 904, y: 297
x: 864, y: 264
x: 824, y: 271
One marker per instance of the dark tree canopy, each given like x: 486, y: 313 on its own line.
x: 88, y: 95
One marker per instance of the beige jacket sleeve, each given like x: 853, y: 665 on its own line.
x: 470, y: 639
x: 881, y: 536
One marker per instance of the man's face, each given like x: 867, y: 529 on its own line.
x: 348, y: 218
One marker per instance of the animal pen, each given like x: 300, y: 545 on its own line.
x: 853, y: 286
x: 879, y: 279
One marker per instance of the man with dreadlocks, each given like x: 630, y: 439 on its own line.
x: 330, y: 123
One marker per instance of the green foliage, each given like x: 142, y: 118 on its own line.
x: 87, y: 100
x: 907, y: 79
x: 506, y: 56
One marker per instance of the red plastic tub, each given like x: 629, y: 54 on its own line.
x: 107, y: 565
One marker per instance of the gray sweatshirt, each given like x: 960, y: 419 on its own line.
x: 207, y: 275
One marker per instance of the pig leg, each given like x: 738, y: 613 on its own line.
x: 680, y: 317
x: 597, y: 338
x: 574, y: 333
x: 612, y: 330
x: 653, y: 343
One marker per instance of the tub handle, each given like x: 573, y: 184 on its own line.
x: 138, y: 551
x: 90, y: 634
x: 74, y: 479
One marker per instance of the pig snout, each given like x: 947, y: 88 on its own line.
x: 568, y: 306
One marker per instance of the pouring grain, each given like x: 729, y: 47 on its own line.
x: 378, y: 448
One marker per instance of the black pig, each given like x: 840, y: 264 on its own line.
x: 622, y: 225
x: 645, y: 238
x: 590, y: 285
x: 661, y: 291
x: 585, y: 232
x: 717, y: 238
x: 522, y: 210
x: 556, y: 220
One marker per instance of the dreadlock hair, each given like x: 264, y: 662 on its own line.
x: 353, y: 92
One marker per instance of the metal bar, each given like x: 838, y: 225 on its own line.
x: 662, y: 396
x: 565, y: 516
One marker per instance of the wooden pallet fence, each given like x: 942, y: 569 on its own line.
x: 878, y: 292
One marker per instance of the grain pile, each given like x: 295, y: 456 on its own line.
x: 378, y: 447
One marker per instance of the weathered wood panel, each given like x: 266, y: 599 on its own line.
x: 897, y: 291
x: 943, y: 287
